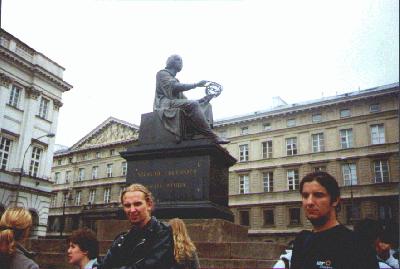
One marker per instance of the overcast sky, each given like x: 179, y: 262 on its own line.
x: 298, y: 50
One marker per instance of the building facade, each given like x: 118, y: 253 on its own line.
x: 354, y: 137
x: 31, y: 86
x: 89, y: 178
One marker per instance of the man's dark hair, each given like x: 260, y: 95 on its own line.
x: 86, y: 240
x: 325, y: 180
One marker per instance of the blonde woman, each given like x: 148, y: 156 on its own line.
x: 14, y: 229
x: 184, y: 250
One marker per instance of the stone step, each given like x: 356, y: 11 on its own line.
x: 59, y: 261
x: 236, y: 264
x: 229, y: 250
x: 240, y: 250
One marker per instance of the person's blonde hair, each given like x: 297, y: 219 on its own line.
x: 139, y: 187
x: 15, y: 225
x: 184, y: 248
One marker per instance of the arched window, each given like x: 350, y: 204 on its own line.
x: 35, y: 223
x: 2, y: 209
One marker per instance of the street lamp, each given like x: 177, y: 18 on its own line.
x: 62, y: 225
x: 21, y: 171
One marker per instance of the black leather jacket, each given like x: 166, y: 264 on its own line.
x: 148, y: 248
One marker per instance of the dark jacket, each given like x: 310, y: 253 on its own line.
x: 148, y: 248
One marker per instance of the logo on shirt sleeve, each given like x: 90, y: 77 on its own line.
x: 324, y: 264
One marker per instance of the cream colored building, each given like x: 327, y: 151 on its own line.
x: 89, y: 177
x: 354, y: 137
x: 31, y: 86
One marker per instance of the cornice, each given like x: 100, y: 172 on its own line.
x: 32, y: 92
x: 34, y: 68
x: 57, y: 104
x: 5, y: 80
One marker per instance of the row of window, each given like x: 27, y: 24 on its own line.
x: 5, y: 149
x: 349, y: 173
x: 77, y: 199
x: 87, y: 156
x: 15, y: 96
x: 351, y: 215
x: 377, y: 132
x: 315, y: 118
x: 94, y: 175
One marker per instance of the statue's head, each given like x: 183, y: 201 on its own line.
x: 174, y: 62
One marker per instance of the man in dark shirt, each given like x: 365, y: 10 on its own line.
x: 329, y: 245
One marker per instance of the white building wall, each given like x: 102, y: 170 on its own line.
x: 38, y: 77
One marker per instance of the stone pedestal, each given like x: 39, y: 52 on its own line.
x: 188, y: 179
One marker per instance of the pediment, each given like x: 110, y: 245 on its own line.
x: 109, y: 132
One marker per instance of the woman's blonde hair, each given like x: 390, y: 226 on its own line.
x: 14, y: 226
x: 183, y: 246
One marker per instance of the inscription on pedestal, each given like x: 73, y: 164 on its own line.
x: 173, y: 179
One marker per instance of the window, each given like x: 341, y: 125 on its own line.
x: 57, y: 177
x: 377, y: 134
x: 35, y: 161
x: 43, y: 108
x: 67, y: 176
x: 107, y: 195
x: 349, y: 174
x: 318, y: 142
x: 243, y: 153
x: 78, y: 198
x: 294, y: 216
x: 121, y: 190
x: 81, y: 174
x: 84, y: 156
x: 94, y: 172
x: 353, y: 215
x: 385, y: 213
x: 291, y: 146
x: 316, y: 117
x: 53, y: 201
x: 109, y: 170
x: 124, y: 168
x: 374, y: 108
x: 92, y: 196
x: 293, y: 179
x: 14, y: 96
x: 5, y: 148
x: 244, y: 184
x: 98, y: 155
x: 112, y: 152
x: 320, y: 169
x: 269, y: 217
x: 267, y: 126
x: 268, y: 182
x: 244, y: 217
x: 344, y: 113
x: 346, y: 138
x: 244, y: 130
x: 70, y: 160
x: 381, y: 171
x: 291, y: 122
x: 267, y: 149
x: 223, y: 134
x: 59, y: 162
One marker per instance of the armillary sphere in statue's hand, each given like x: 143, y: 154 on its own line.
x: 213, y: 88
